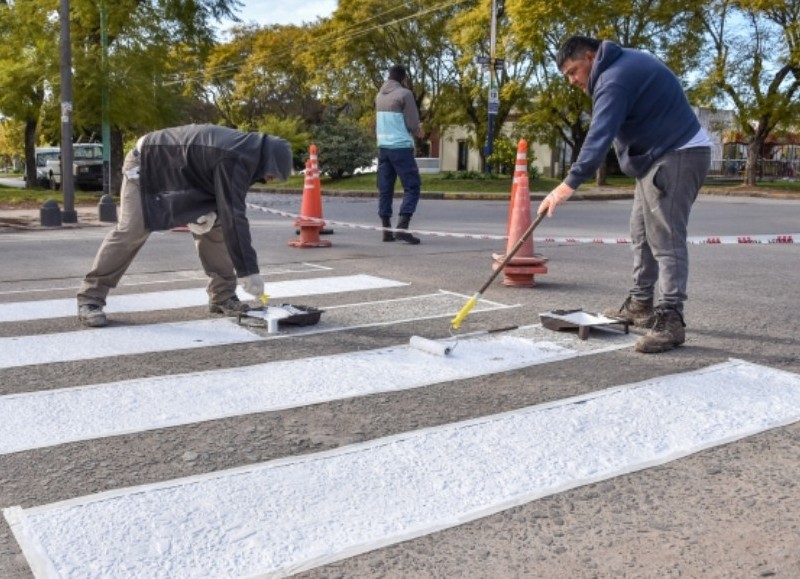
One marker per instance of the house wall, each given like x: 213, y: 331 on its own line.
x: 548, y: 161
x: 449, y: 151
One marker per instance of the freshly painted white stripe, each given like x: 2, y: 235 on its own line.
x: 62, y: 308
x: 127, y: 340
x: 145, y: 279
x: 297, y: 513
x: 39, y: 419
x: 120, y: 341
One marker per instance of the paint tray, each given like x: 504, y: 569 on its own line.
x: 559, y: 320
x: 284, y: 314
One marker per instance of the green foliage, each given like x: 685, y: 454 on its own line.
x: 342, y: 146
x: 472, y: 176
x: 292, y: 130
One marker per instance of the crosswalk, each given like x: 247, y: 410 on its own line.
x: 304, y: 509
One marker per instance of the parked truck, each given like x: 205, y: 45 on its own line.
x: 87, y: 166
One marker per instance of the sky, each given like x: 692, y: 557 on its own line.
x: 284, y: 12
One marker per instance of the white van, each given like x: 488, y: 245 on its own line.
x: 44, y: 154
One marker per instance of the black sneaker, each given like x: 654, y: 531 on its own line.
x: 230, y: 307
x: 92, y: 315
x: 407, y: 237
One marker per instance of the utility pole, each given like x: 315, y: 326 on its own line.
x: 106, y: 126
x: 67, y: 185
x: 494, y: 97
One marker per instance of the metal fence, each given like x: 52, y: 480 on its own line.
x: 767, y: 169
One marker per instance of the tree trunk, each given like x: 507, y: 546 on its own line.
x: 751, y: 167
x: 30, y: 154
x: 602, y: 174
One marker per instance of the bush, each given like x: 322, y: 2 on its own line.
x: 343, y: 147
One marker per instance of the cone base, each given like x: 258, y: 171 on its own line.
x: 519, y: 271
x: 309, y: 237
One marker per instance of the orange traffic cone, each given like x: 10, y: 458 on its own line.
x: 520, y: 169
x: 312, y: 156
x: 310, y: 221
x: 520, y: 269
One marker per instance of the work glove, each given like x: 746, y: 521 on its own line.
x: 203, y: 224
x: 556, y: 197
x: 253, y: 284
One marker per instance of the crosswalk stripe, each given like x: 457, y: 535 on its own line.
x: 119, y: 341
x: 39, y: 419
x: 128, y: 340
x: 296, y: 513
x: 62, y: 308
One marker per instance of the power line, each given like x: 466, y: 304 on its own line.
x: 349, y: 33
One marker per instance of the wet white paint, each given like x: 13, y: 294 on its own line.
x: 175, y: 299
x: 293, y: 514
x: 39, y: 419
x: 120, y: 341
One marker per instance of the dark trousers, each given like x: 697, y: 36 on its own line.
x: 394, y: 163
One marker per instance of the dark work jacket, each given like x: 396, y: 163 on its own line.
x: 640, y: 106
x: 189, y: 171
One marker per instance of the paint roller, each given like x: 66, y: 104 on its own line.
x: 438, y: 348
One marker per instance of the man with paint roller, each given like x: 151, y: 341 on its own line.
x: 640, y: 106
x: 196, y: 175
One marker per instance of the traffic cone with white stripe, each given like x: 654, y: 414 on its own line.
x: 520, y: 169
x: 520, y: 269
x: 310, y: 221
x: 314, y: 158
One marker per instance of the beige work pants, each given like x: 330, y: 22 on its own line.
x: 124, y: 241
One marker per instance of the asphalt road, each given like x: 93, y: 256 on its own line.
x: 729, y: 511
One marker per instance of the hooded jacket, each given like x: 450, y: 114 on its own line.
x: 397, y: 116
x: 192, y: 170
x: 639, y: 104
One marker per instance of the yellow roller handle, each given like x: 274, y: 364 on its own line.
x: 456, y: 323
x: 264, y: 298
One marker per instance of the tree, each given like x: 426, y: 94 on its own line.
x: 155, y: 50
x: 28, y: 51
x: 354, y: 49
x: 468, y: 94
x: 259, y: 72
x: 755, y: 66
x: 669, y: 29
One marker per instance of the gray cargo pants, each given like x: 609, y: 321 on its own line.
x: 124, y: 241
x: 662, y: 201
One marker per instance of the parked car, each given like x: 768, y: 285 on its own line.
x: 87, y: 167
x: 44, y: 154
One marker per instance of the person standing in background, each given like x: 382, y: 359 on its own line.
x: 397, y: 119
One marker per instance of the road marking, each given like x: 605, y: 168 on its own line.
x: 46, y: 418
x: 166, y: 300
x: 158, y: 278
x: 120, y: 341
x: 297, y: 513
x: 128, y: 340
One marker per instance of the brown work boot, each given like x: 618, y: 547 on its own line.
x: 230, y: 307
x: 633, y: 311
x: 666, y: 332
